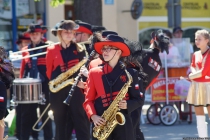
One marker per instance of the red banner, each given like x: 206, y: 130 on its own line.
x: 159, y: 90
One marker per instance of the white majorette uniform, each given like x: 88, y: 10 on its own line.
x: 199, y: 91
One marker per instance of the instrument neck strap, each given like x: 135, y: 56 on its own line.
x: 111, y: 84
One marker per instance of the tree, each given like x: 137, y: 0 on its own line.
x: 55, y: 3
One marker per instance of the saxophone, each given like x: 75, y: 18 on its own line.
x: 62, y: 80
x: 112, y: 116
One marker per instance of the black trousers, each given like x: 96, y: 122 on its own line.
x: 18, y: 122
x: 27, y: 116
x: 122, y: 132
x: 3, y: 103
x: 70, y: 117
x: 136, y: 124
x: 48, y: 135
x: 136, y: 114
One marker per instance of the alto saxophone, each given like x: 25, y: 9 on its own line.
x: 112, y: 116
x: 62, y: 80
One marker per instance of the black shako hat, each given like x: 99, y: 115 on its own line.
x: 84, y: 27
x: 176, y: 29
x: 106, y: 33
x: 22, y: 36
x: 96, y: 28
x: 55, y: 28
x: 64, y: 25
x: 36, y: 28
x: 115, y: 41
x: 67, y: 25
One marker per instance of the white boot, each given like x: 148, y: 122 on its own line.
x: 202, y: 126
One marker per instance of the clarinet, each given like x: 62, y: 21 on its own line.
x: 71, y: 92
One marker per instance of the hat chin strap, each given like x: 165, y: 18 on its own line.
x: 65, y: 42
x: 112, y: 57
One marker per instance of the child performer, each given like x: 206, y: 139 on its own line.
x: 199, y: 92
x: 105, y: 82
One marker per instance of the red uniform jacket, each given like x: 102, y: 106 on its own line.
x: 60, y: 60
x: 98, y: 90
x: 95, y: 63
x: 200, y: 62
x: 26, y: 65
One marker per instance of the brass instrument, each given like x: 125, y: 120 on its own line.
x: 62, y: 80
x: 50, y: 116
x: 14, y: 55
x: 112, y: 116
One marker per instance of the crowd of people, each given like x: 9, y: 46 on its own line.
x: 117, y: 61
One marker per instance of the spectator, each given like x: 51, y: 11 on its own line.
x: 173, y: 57
x: 177, y: 35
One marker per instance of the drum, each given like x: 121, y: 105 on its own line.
x: 27, y: 91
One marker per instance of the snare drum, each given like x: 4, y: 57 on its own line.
x: 27, y: 91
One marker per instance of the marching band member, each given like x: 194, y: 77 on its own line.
x: 6, y: 79
x: 3, y: 107
x: 199, y: 91
x: 98, y: 61
x: 33, y: 67
x: 61, y: 58
x: 104, y: 83
x: 83, y: 33
x: 23, y: 40
x: 151, y: 64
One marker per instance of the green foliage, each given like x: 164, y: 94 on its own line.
x: 55, y: 3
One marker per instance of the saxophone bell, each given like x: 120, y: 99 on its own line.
x: 120, y: 118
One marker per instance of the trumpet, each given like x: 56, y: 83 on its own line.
x: 50, y: 116
x: 14, y: 55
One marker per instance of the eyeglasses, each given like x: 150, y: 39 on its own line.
x: 107, y: 49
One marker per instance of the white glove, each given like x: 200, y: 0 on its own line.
x: 84, y: 71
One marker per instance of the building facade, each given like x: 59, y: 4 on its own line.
x: 16, y: 15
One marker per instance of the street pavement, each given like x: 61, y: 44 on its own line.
x: 178, y: 131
